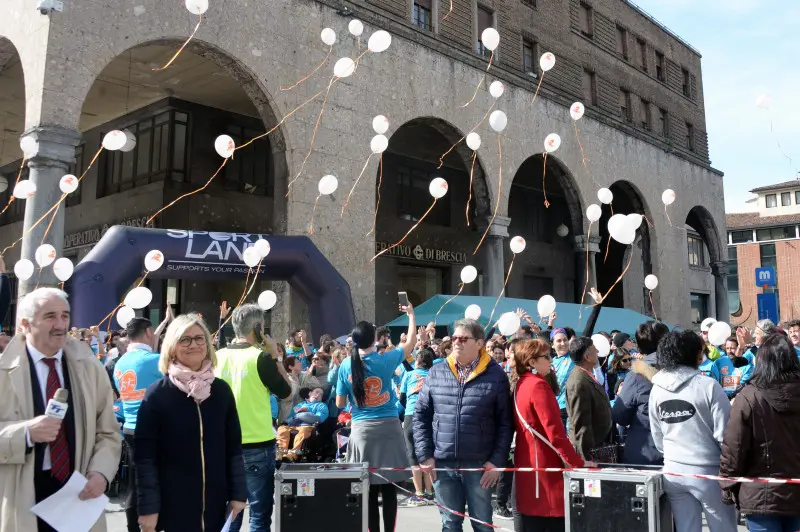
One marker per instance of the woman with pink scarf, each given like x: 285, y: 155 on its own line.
x: 189, y: 466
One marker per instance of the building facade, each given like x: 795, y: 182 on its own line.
x: 67, y: 78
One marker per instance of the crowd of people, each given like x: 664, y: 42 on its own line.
x: 202, y: 419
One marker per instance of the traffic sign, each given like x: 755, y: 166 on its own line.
x: 765, y: 276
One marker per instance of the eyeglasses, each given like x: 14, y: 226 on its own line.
x: 462, y: 339
x: 548, y: 357
x: 186, y: 341
x: 315, y: 359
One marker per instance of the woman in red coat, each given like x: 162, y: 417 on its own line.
x: 540, y: 496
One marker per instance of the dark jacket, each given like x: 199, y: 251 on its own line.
x: 589, y: 413
x: 469, y: 423
x: 761, y: 441
x: 169, y: 444
x: 631, y: 410
x: 5, y: 298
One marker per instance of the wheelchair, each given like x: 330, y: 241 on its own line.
x: 319, y: 447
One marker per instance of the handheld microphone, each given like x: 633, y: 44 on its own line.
x: 57, y: 406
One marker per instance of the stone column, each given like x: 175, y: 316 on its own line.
x: 56, y: 153
x: 719, y: 269
x: 494, y: 268
x: 581, y: 244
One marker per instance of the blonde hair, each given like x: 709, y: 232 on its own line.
x: 174, y: 332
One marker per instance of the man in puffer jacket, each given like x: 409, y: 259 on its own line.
x: 463, y: 419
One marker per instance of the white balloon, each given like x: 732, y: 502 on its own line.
x: 224, y: 146
x: 328, y: 185
x: 651, y: 282
x: 718, y: 333
x: 473, y: 141
x: 472, y: 312
x: 328, y: 36
x: 344, y: 68
x: 594, y: 212
x: 262, y: 246
x: 508, y: 324
x: 3, y: 184
x: 63, y: 268
x: 251, y: 257
x: 498, y: 120
x: 379, y: 41
x: 356, y: 27
x: 602, y: 345
x: 634, y: 221
x: 139, y: 297
x: 267, y: 299
x: 68, y: 184
x: 438, y: 187
x: 380, y: 124
x: 153, y: 260
x: 45, y: 255
x: 114, y: 140
x: 196, y: 7
x: 763, y: 101
x: 605, y: 195
x: 616, y: 223
x: 546, y: 306
x: 625, y: 236
x: 496, y: 89
x: 547, y: 61
x: 24, y: 189
x: 576, y: 110
x: 130, y: 142
x: 468, y: 274
x: 517, y: 244
x: 378, y: 144
x: 29, y: 146
x: 668, y: 197
x: 124, y: 315
x: 552, y: 142
x: 562, y: 230
x: 490, y: 38
x: 23, y: 269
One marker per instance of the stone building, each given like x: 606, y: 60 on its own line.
x: 68, y: 77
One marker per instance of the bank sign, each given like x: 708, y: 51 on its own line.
x: 423, y: 254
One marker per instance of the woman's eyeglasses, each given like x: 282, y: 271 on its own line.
x: 186, y: 341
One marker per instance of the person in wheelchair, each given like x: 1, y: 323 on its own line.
x: 301, y: 423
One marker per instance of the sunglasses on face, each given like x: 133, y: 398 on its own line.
x: 462, y: 339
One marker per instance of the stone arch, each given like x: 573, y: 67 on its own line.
x: 13, y: 106
x: 701, y: 220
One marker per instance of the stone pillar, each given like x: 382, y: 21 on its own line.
x: 494, y: 268
x: 719, y: 269
x: 56, y: 153
x: 581, y: 244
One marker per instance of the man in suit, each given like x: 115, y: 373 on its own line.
x: 39, y: 454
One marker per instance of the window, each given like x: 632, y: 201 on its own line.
x: 412, y: 185
x: 772, y: 200
x: 644, y: 119
x: 775, y: 233
x: 625, y: 105
x: 770, y: 258
x: 687, y: 85
x: 586, y: 22
x: 529, y: 56
x: 699, y: 307
x: 797, y: 197
x: 622, y: 42
x: 422, y: 14
x: 697, y: 255
x: 531, y: 3
x: 733, y: 280
x: 740, y: 237
x: 248, y: 172
x: 786, y: 199
x: 485, y: 20
x: 689, y: 136
x: 661, y: 67
x: 13, y: 286
x: 642, y: 46
x: 16, y: 210
x: 589, y: 87
x: 663, y: 123
x: 76, y: 169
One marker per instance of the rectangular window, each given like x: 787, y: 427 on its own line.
x: 786, y: 199
x: 699, y: 304
x: 772, y: 200
x: 689, y: 136
x: 589, y: 87
x: 663, y: 123
x: 769, y: 257
x: 661, y: 67
x: 622, y: 42
x: 644, y: 118
x: 485, y: 20
x: 248, y: 172
x: 412, y: 184
x: 625, y: 105
x: 797, y: 197
x: 687, y: 85
x: 642, y: 46
x: 528, y: 56
x: 422, y: 14
x: 697, y: 256
x: 586, y: 22
x: 775, y: 233
x: 733, y: 281
x: 741, y: 237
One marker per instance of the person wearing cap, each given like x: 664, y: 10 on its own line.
x: 712, y: 352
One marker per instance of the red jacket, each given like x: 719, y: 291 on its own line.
x: 540, y: 494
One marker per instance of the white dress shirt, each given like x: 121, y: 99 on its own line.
x: 42, y: 372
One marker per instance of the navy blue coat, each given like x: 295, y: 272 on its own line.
x: 466, y: 423
x: 631, y: 410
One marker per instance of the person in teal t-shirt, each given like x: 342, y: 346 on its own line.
x: 409, y: 393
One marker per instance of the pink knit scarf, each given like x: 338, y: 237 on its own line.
x: 195, y: 384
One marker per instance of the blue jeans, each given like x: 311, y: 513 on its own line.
x: 259, y: 470
x: 456, y: 490
x: 773, y: 523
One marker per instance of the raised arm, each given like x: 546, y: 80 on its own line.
x: 411, y: 335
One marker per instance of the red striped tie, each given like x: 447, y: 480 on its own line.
x: 59, y: 450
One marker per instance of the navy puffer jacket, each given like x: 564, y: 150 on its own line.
x: 471, y: 422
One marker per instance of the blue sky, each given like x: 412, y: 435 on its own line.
x: 749, y: 47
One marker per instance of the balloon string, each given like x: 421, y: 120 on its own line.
x: 611, y: 206
x: 310, y: 73
x: 441, y: 159
x: 608, y: 244
x: 478, y: 87
x: 544, y: 185
x: 313, y: 211
x: 535, y: 94
x: 646, y: 220
x: 11, y: 196
x: 667, y: 213
x: 52, y: 218
x: 499, y: 188
x: 378, y: 202
x: 502, y: 291
x: 123, y: 302
x: 448, y: 13
x: 471, y: 171
x: 588, y: 243
x: 245, y: 292
x: 583, y: 154
x: 630, y: 259
x: 653, y: 306
x: 173, y: 202
x: 355, y: 184
x: 174, y: 57
x: 404, y: 236
x: 460, y: 288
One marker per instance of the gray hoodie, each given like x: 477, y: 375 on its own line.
x: 688, y: 414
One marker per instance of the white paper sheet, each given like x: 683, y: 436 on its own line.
x: 228, y: 522
x: 65, y: 512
